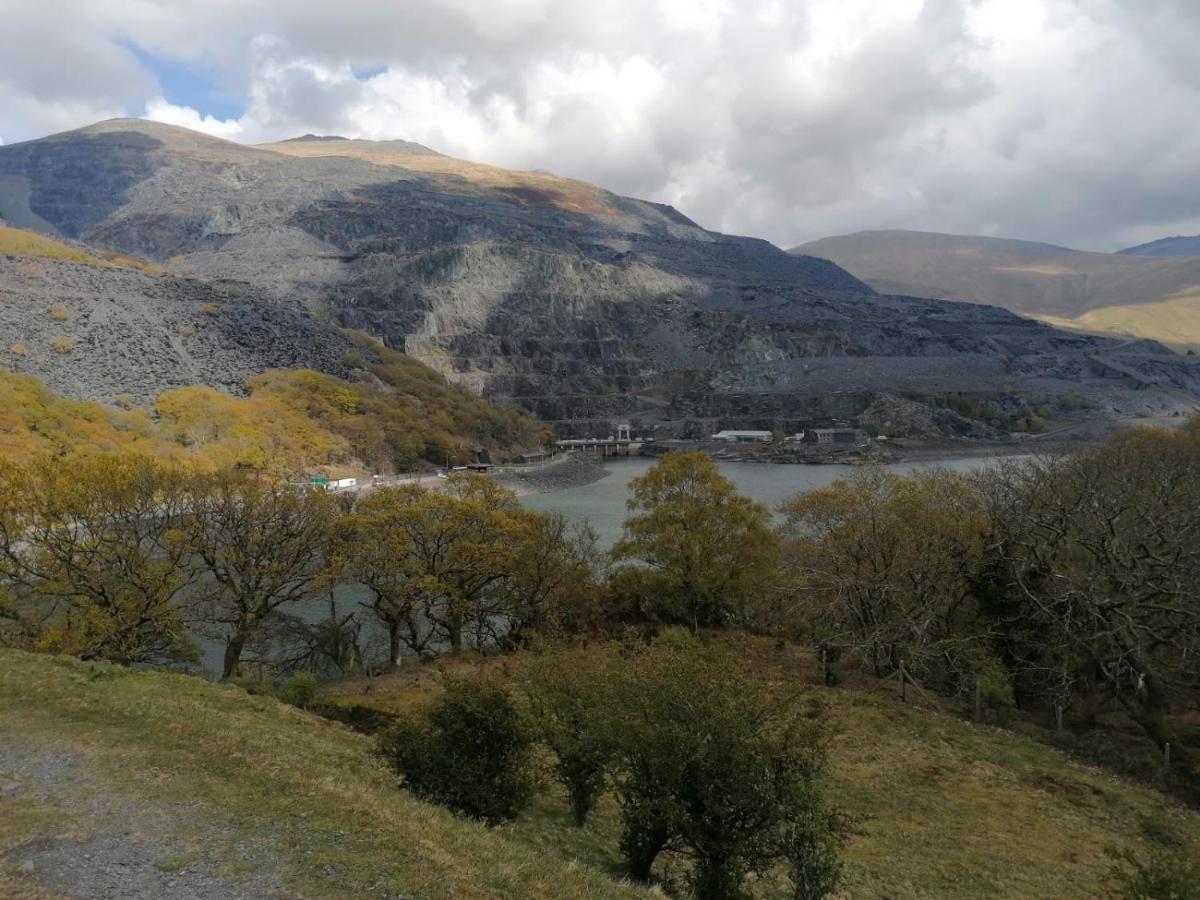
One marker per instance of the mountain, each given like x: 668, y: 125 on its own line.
x: 1144, y: 296
x: 1172, y: 246
x: 584, y: 307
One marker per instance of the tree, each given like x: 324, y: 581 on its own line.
x: 701, y: 554
x: 1098, y: 563
x: 568, y: 695
x: 889, y: 565
x: 262, y: 546
x: 707, y: 761
x: 470, y: 752
x: 97, y: 547
x: 374, y: 546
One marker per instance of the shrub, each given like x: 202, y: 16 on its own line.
x: 185, y: 330
x: 62, y: 344
x: 58, y: 312
x: 299, y: 690
x: 566, y: 694
x: 353, y: 359
x: 18, y: 349
x: 1161, y: 875
x: 210, y: 309
x: 469, y: 752
x: 356, y: 716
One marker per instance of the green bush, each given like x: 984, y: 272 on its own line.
x: 357, y: 716
x: 470, y: 752
x: 299, y: 690
x: 1161, y: 875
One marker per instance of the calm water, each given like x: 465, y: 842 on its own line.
x: 602, y: 503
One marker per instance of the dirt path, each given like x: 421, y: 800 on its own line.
x: 91, y: 842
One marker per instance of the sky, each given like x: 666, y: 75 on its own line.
x: 1068, y: 121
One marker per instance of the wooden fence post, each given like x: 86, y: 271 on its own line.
x: 903, y: 683
x: 1167, y: 755
x: 978, y: 702
x: 1058, y: 717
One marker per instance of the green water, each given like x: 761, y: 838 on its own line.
x: 602, y: 503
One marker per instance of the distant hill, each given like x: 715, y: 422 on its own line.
x: 1172, y: 246
x: 1157, y: 298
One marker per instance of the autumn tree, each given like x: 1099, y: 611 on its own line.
x: 374, y: 546
x: 95, y: 548
x: 694, y: 551
x: 262, y: 546
x: 887, y: 565
x: 1098, y: 558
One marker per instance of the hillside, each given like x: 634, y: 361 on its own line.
x: 1172, y: 246
x: 1147, y: 296
x: 278, y: 800
x: 584, y: 307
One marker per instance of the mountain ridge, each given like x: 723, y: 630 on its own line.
x: 584, y: 307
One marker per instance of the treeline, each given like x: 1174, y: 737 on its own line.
x: 290, y: 421
x: 124, y: 558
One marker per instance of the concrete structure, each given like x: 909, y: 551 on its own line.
x: 835, y: 436
x: 743, y: 437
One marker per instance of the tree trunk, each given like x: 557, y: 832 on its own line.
x: 642, y: 849
x: 1151, y: 715
x: 233, y: 653
x: 393, y: 645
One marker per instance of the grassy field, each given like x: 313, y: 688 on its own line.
x: 944, y: 808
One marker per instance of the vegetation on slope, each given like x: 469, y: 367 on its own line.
x: 944, y: 808
x: 265, y: 787
x: 291, y: 421
x: 19, y: 242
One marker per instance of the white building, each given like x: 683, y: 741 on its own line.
x: 743, y: 437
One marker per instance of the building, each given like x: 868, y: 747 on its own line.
x: 743, y: 437
x: 835, y: 436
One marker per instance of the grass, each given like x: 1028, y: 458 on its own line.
x: 18, y: 242
x: 1174, y: 321
x: 257, y: 784
x: 944, y: 808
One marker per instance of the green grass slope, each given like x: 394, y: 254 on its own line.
x: 944, y: 808
x: 244, y: 782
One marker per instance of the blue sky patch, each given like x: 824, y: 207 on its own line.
x: 366, y: 73
x: 188, y: 85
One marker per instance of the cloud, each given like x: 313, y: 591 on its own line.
x: 1048, y: 119
x: 159, y: 110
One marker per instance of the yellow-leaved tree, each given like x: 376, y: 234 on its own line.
x: 694, y: 551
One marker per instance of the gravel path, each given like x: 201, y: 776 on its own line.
x: 109, y: 854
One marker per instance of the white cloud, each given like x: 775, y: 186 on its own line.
x: 159, y: 110
x: 1048, y: 119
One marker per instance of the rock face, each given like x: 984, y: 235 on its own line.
x: 98, y: 332
x: 585, y: 307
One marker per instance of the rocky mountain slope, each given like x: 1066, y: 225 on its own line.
x: 1152, y: 295
x: 94, y: 331
x: 585, y: 307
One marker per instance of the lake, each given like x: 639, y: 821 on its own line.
x: 602, y: 503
